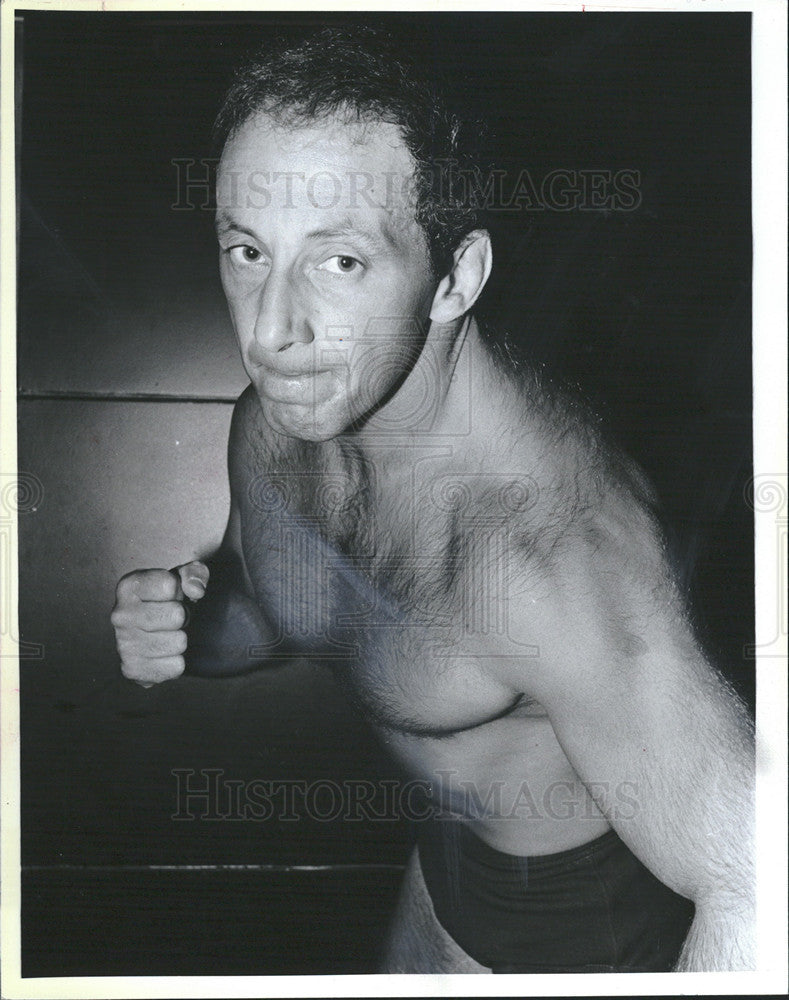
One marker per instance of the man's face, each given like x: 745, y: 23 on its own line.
x: 325, y: 269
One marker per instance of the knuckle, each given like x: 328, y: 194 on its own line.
x: 177, y: 667
x: 150, y: 585
x: 129, y: 669
x: 125, y: 645
x: 127, y: 585
x: 178, y: 615
x: 167, y: 584
x: 157, y: 585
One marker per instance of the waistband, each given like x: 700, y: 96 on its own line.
x: 594, y: 907
x: 539, y: 865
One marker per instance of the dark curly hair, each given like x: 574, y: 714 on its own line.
x: 360, y: 74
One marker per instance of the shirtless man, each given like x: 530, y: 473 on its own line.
x: 483, y: 572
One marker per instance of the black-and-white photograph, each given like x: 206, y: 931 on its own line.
x: 385, y: 492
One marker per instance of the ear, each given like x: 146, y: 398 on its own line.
x: 461, y: 287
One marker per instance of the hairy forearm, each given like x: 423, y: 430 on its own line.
x: 719, y: 854
x: 722, y: 938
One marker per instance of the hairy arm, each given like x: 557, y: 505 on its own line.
x: 633, y: 699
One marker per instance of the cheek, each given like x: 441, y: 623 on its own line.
x: 409, y: 296
x: 394, y: 314
x: 242, y: 306
x: 377, y: 367
x: 230, y: 296
x: 223, y: 274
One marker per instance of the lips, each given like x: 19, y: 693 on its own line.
x: 293, y: 387
x: 279, y: 373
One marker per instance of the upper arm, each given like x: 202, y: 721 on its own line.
x: 228, y: 628
x: 636, y: 706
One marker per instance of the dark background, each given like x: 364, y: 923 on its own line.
x: 127, y: 371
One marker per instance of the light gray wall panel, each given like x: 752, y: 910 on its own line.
x: 163, y: 329
x: 132, y: 485
x: 125, y: 486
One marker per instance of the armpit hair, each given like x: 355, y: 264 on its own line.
x: 584, y: 478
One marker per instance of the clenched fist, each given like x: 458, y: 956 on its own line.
x: 149, y: 618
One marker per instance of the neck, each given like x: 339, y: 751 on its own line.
x: 432, y: 409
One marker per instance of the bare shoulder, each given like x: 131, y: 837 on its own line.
x: 563, y: 481
x: 589, y: 489
x: 589, y: 577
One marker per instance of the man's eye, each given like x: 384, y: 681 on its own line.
x: 341, y: 264
x: 245, y: 255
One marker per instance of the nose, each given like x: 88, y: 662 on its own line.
x: 279, y: 322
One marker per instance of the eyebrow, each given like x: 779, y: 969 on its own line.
x: 383, y: 239
x: 224, y: 222
x: 344, y: 228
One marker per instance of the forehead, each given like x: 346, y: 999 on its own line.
x: 325, y: 164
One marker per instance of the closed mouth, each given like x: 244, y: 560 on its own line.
x: 268, y: 369
x: 292, y: 386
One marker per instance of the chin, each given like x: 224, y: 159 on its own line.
x: 304, y: 423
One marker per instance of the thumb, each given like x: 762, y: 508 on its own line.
x: 194, y: 579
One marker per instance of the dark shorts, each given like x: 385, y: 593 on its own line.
x: 594, y: 908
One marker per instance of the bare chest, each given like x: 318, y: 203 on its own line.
x: 400, y: 590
